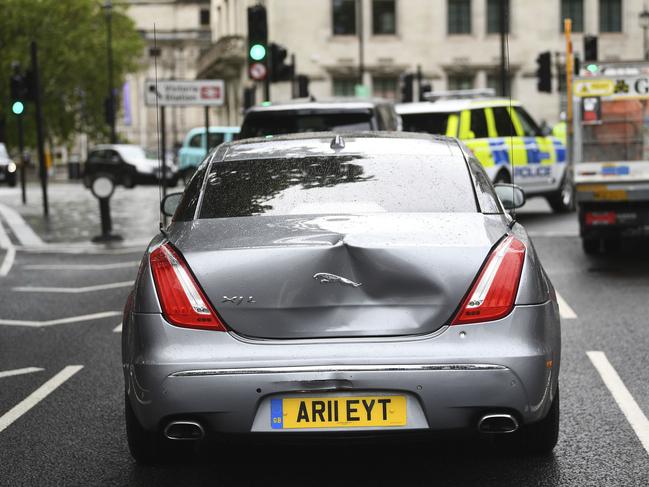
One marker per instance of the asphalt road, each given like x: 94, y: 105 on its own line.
x: 74, y: 434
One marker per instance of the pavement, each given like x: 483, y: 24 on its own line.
x: 61, y: 386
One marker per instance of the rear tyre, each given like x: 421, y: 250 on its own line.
x: 563, y: 201
x: 146, y: 447
x: 590, y: 246
x: 541, y: 438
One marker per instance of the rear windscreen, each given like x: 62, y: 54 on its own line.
x: 277, y: 123
x: 430, y: 123
x: 338, y: 185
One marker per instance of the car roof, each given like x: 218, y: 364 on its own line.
x: 215, y: 129
x: 455, y: 105
x: 321, y: 104
x: 115, y: 146
x: 321, y: 144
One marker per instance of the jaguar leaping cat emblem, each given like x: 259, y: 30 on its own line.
x: 326, y: 278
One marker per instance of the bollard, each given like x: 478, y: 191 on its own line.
x: 102, y: 188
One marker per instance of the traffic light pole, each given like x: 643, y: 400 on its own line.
x: 40, y: 135
x: 21, y: 147
x: 502, y: 24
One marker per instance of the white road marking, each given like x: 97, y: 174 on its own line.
x: 26, y: 370
x: 22, y: 231
x: 72, y: 290
x: 5, y: 241
x: 118, y: 329
x: 622, y: 396
x: 61, y: 321
x: 10, y: 255
x: 81, y: 267
x: 8, y: 261
x: 37, y: 396
x: 566, y: 312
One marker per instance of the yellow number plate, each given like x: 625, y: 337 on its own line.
x: 338, y: 412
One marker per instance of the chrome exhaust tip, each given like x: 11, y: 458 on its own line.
x: 497, y: 423
x: 184, y: 430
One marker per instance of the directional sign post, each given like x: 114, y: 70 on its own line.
x: 208, y: 92
x: 181, y: 93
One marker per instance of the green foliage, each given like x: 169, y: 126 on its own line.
x: 72, y: 53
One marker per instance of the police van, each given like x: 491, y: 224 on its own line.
x: 502, y: 135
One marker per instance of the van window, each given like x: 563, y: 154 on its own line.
x: 430, y: 123
x: 504, y: 125
x: 479, y: 124
x: 529, y: 125
x: 196, y: 141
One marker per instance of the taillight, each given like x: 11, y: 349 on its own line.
x: 494, y: 292
x: 182, y: 300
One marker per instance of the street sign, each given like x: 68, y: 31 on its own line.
x: 258, y: 71
x: 208, y: 92
x: 594, y: 87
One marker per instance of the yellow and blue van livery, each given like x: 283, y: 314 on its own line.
x: 504, y: 138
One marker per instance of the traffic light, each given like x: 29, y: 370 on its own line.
x: 257, y: 43
x: 544, y: 72
x: 302, y: 86
x: 18, y: 90
x: 424, y: 90
x: 590, y: 48
x: 279, y: 70
x: 407, y: 93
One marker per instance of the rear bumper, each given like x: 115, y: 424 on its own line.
x: 614, y: 219
x: 226, y: 382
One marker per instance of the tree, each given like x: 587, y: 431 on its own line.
x: 71, y: 37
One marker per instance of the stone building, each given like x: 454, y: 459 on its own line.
x: 456, y: 43
x: 182, y: 32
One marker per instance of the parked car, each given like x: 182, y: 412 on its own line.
x: 340, y: 284
x: 7, y: 167
x: 128, y: 165
x: 338, y: 115
x: 194, y: 150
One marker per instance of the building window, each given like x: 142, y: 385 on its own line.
x: 574, y: 10
x: 385, y: 87
x: 344, y: 17
x: 205, y: 17
x: 384, y: 17
x: 610, y: 15
x: 459, y: 16
x: 493, y: 16
x: 493, y: 82
x: 344, y: 86
x: 460, y: 81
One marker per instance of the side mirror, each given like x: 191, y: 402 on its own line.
x: 169, y: 203
x: 511, y: 195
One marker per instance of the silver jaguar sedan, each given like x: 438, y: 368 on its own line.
x: 325, y: 285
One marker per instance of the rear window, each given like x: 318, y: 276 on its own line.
x: 430, y: 123
x: 277, y: 123
x: 339, y: 185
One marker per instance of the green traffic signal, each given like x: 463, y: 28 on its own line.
x: 592, y: 68
x: 18, y: 107
x: 257, y: 52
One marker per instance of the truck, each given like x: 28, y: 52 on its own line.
x: 610, y: 149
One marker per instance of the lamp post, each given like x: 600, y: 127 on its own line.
x: 110, y: 108
x: 643, y: 17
